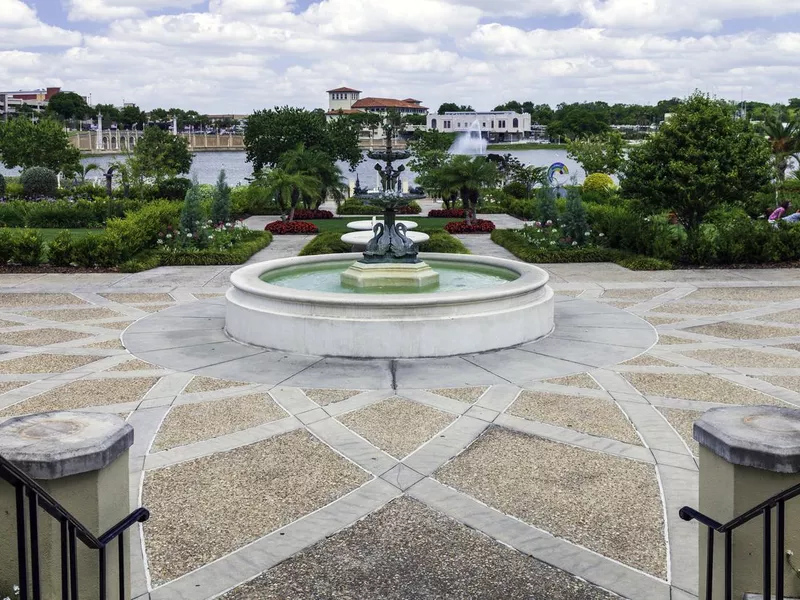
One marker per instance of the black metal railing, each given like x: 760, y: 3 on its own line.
x: 71, y: 531
x: 778, y: 503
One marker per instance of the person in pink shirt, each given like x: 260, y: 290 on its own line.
x: 779, y: 213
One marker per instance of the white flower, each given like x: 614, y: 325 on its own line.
x: 588, y: 233
x: 168, y: 236
x: 210, y: 222
x: 549, y: 222
x: 227, y: 225
x: 159, y: 242
x: 574, y: 243
x: 211, y: 237
x: 552, y: 242
x: 189, y: 234
x: 601, y: 234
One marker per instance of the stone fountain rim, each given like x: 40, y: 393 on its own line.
x: 248, y: 280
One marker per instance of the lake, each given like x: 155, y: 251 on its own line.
x: 207, y: 165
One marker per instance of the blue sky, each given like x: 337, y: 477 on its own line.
x: 238, y: 55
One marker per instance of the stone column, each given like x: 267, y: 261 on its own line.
x: 747, y: 455
x: 81, y: 460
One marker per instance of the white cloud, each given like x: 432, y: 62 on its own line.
x: 108, y: 10
x: 20, y: 27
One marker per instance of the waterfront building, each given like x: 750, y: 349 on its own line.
x: 11, y: 102
x: 495, y: 125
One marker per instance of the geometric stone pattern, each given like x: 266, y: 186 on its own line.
x: 340, y: 479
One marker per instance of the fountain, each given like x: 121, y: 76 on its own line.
x: 391, y: 301
x: 470, y: 142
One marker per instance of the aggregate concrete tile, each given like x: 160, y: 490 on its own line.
x: 704, y: 388
x: 580, y: 380
x: 407, y: 550
x: 788, y: 316
x: 208, y: 296
x: 270, y: 368
x: 464, y: 394
x: 124, y: 298
x: 743, y: 331
x: 40, y: 337
x: 582, y: 496
x: 647, y: 360
x: 671, y: 340
x: 115, y: 344
x: 202, y: 355
x: 189, y: 423
x: 205, y: 508
x: 744, y: 357
x: 4, y: 323
x: 118, y: 326
x: 570, y: 293
x: 326, y: 396
x: 447, y: 372
x: 210, y: 384
x: 17, y: 300
x: 658, y: 320
x: 795, y: 347
x: 635, y: 293
x: 397, y: 426
x: 82, y: 394
x: 620, y: 304
x: 342, y: 373
x: 134, y: 365
x: 595, y: 416
x: 7, y: 386
x: 747, y: 294
x: 45, y: 363
x: 74, y: 315
x: 786, y: 381
x: 689, y: 308
x: 683, y: 421
x: 190, y: 277
x: 153, y: 308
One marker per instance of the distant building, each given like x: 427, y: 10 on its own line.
x: 495, y: 126
x: 11, y: 102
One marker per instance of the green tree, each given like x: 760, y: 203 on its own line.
x: 471, y: 175
x: 221, y: 205
x: 110, y: 113
x: 320, y: 166
x: 160, y: 155
x: 44, y: 144
x: 84, y: 170
x: 287, y: 188
x: 574, y: 219
x: 529, y: 176
x: 602, y: 153
x: 130, y: 116
x: 191, y: 214
x: 159, y: 115
x: 701, y: 158
x: 68, y: 105
x: 271, y: 133
x: 784, y: 141
x: 453, y: 107
x: 428, y: 154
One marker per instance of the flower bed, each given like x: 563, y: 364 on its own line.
x: 291, y: 228
x: 304, y: 214
x: 476, y: 226
x: 448, y: 213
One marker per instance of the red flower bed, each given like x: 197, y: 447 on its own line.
x: 304, y: 214
x: 291, y: 227
x: 448, y: 213
x: 477, y: 226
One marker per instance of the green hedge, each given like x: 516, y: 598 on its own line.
x: 522, y: 249
x: 331, y: 243
x: 88, y: 214
x: 151, y: 259
x: 357, y: 208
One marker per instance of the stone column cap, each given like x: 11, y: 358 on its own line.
x: 52, y: 445
x: 763, y: 437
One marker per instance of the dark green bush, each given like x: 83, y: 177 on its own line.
x: 173, y: 189
x: 326, y: 243
x: 12, y: 214
x: 354, y: 207
x: 516, y: 189
x: 6, y: 243
x: 441, y: 241
x: 644, y: 263
x: 139, y: 229
x: 2, y: 186
x: 239, y: 254
x: 60, y: 250
x: 38, y: 182
x: 546, y: 205
x: 27, y: 248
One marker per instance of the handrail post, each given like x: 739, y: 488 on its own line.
x: 80, y: 461
x: 747, y: 455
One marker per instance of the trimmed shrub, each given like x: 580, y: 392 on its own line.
x: 13, y: 189
x: 516, y: 189
x: 139, y: 229
x: 27, y: 248
x: 644, y: 263
x: 355, y: 207
x: 326, y: 243
x: 6, y: 242
x: 221, y: 205
x: 60, y: 250
x: 291, y: 228
x: 2, y: 186
x: 12, y: 214
x: 173, y: 189
x: 598, y: 182
x: 573, y: 222
x: 39, y: 182
x: 441, y: 241
x: 476, y: 226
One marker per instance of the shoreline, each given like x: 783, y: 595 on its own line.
x: 526, y: 146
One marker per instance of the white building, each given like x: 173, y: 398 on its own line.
x: 496, y: 126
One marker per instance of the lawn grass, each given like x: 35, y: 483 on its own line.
x: 339, y: 225
x: 49, y: 234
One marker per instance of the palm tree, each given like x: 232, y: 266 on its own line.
x: 785, y: 141
x: 529, y: 176
x: 470, y: 176
x: 287, y: 188
x: 86, y: 169
x: 319, y: 165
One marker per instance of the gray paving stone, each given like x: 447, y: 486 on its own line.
x: 357, y: 402
x: 438, y: 402
x: 157, y: 323
x: 590, y: 354
x: 652, y: 427
x: 204, y: 355
x: 266, y: 367
x: 137, y: 343
x: 680, y: 488
x: 343, y: 373
x: 498, y: 397
x: 312, y: 416
x: 520, y: 367
x: 670, y: 459
x: 484, y: 414
x: 353, y: 446
x: 292, y: 400
x: 446, y: 445
x: 402, y: 477
x: 442, y: 372
x: 559, y: 553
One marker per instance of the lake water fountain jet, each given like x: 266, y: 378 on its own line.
x: 471, y: 142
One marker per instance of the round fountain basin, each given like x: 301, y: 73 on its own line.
x: 514, y: 305
x: 369, y: 225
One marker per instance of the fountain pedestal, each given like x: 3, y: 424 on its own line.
x: 390, y: 275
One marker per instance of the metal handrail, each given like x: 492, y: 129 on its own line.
x: 764, y: 509
x: 71, y: 529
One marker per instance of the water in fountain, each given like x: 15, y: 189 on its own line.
x: 470, y: 142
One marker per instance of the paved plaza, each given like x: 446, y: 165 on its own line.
x: 555, y: 471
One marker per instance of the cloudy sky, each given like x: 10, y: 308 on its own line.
x: 237, y: 55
